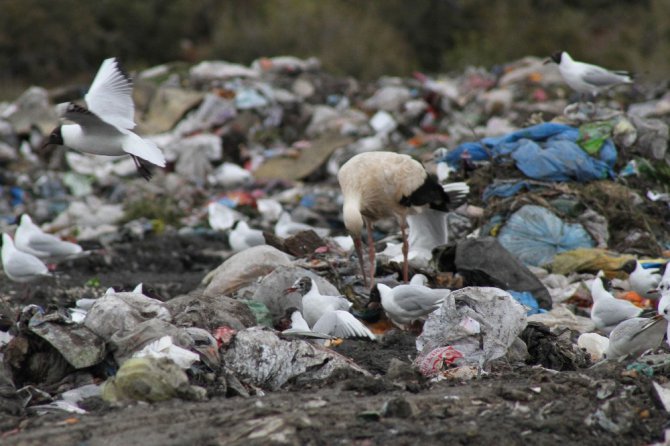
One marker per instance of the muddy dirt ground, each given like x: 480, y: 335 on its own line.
x: 512, y: 404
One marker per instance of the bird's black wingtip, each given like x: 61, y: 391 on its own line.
x: 122, y: 70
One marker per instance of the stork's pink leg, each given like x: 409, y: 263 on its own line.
x: 359, y: 253
x: 405, y: 253
x: 371, y: 253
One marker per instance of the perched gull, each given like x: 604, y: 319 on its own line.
x: 607, y: 311
x: 635, y: 336
x: 338, y: 324
x: 242, y: 237
x: 377, y: 185
x: 315, y: 304
x: 642, y: 281
x: 20, y: 266
x: 286, y: 227
x: 585, y: 78
x: 31, y: 239
x: 105, y: 127
x: 406, y: 303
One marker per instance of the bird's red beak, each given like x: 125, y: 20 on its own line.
x: 290, y: 290
x: 653, y: 291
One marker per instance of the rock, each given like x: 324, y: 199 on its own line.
x: 398, y: 408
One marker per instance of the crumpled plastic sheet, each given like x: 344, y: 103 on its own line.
x: 259, y: 357
x: 121, y: 312
x: 124, y: 344
x: 80, y: 346
x: 535, y: 235
x: 165, y: 348
x: 505, y: 189
x: 243, y: 268
x: 527, y: 299
x: 479, y: 322
x: 547, y: 151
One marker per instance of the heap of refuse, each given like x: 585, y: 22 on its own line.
x: 558, y: 192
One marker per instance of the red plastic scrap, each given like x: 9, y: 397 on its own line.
x: 224, y: 335
x: 438, y: 360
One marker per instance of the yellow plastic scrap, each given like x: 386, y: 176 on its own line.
x: 151, y: 380
x: 588, y: 260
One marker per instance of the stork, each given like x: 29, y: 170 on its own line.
x: 378, y: 185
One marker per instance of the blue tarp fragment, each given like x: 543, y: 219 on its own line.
x: 527, y: 299
x: 535, y: 235
x: 547, y: 152
x: 506, y: 189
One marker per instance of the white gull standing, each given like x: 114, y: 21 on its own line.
x: 586, y: 78
x: 31, y: 239
x: 315, y: 304
x: 635, y: 336
x: 406, y: 303
x: 608, y: 311
x: 104, y: 128
x: 242, y: 237
x: 20, y: 266
x: 642, y: 280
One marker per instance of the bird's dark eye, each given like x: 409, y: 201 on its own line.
x: 665, y: 311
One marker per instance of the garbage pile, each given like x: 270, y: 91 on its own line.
x: 563, y: 196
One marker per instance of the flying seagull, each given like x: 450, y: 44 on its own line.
x: 104, y: 128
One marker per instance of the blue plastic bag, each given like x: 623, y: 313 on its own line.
x: 535, y: 235
x: 527, y: 299
x: 547, y: 152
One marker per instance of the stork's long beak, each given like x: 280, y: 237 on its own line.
x: 290, y: 290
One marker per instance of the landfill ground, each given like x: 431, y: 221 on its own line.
x: 512, y: 404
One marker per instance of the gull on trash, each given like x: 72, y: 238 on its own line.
x: 242, y: 237
x: 315, y: 304
x: 406, y: 303
x: 643, y: 281
x: 586, y: 78
x: 31, y: 239
x: 20, y: 266
x: 332, y: 324
x: 608, y: 311
x: 635, y: 336
x: 104, y: 128
x: 378, y: 185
